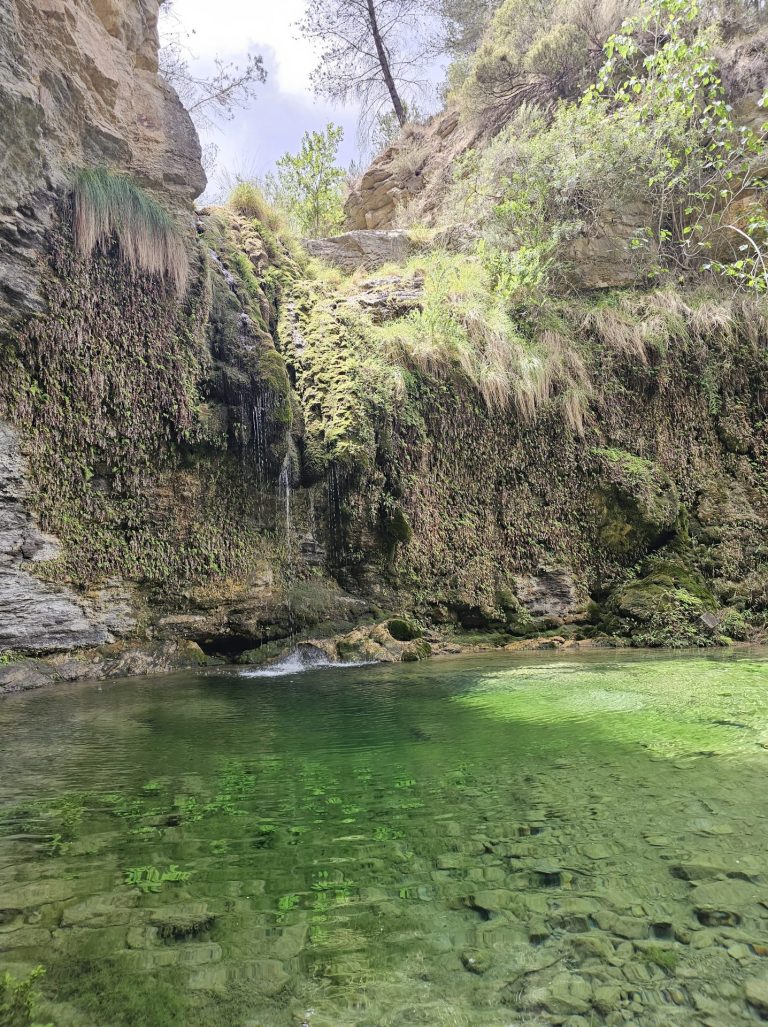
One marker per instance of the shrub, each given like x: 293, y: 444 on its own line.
x: 538, y: 51
x: 18, y: 999
x: 653, y: 137
x: 110, y: 208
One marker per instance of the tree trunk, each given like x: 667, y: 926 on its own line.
x: 381, y: 53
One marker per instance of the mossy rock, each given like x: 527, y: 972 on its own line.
x: 264, y: 653
x: 639, y: 503
x: 397, y: 528
x: 403, y: 630
x: 664, y: 607
x: 419, y: 649
x: 183, y: 922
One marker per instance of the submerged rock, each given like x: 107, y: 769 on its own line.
x: 756, y: 993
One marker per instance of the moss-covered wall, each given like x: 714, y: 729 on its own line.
x: 239, y: 455
x: 670, y: 458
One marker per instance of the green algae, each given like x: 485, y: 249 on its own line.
x: 478, y: 841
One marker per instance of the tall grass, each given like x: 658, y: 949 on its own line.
x: 464, y: 326
x: 246, y: 198
x: 109, y: 208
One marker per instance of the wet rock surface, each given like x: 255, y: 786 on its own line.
x: 34, y: 616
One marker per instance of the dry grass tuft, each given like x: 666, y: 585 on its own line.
x: 109, y: 207
x: 616, y: 330
x: 247, y: 199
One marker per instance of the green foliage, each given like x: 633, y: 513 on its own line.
x: 537, y: 51
x: 653, y: 135
x: 466, y: 326
x: 308, y: 185
x: 285, y: 904
x: 108, y: 207
x: 149, y: 879
x: 701, y: 168
x: 247, y: 198
x: 18, y: 999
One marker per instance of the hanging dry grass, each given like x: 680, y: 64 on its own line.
x: 617, y: 330
x: 111, y: 208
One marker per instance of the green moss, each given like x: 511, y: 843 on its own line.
x: 419, y: 649
x: 665, y: 958
x: 664, y: 606
x: 638, y: 501
x: 403, y: 630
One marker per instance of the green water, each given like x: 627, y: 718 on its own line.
x: 491, y: 840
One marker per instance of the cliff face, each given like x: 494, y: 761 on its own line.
x: 283, y: 449
x: 79, y: 86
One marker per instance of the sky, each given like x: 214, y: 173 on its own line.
x: 284, y: 107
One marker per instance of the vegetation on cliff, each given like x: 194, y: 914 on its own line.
x: 108, y: 208
x: 488, y: 434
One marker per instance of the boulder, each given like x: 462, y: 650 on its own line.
x: 362, y: 249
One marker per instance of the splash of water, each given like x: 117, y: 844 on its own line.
x: 298, y: 662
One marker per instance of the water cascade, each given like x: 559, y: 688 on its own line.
x: 258, y: 420
x: 335, y: 523
x: 284, y: 496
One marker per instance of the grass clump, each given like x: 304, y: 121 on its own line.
x: 110, y: 208
x: 247, y: 199
x: 466, y: 325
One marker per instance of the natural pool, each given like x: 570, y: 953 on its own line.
x: 487, y: 840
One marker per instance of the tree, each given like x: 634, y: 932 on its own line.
x: 207, y: 98
x: 374, y: 51
x: 464, y: 24
x: 309, y: 185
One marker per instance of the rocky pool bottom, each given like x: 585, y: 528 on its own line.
x: 489, y: 840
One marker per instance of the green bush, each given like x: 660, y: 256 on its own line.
x: 653, y: 136
x: 538, y: 51
x: 18, y: 999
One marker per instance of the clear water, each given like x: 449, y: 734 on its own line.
x: 494, y: 840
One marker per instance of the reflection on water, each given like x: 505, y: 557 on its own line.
x: 491, y: 840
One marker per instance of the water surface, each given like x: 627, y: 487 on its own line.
x: 487, y: 840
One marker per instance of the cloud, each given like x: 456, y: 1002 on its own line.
x: 230, y: 28
x: 281, y: 109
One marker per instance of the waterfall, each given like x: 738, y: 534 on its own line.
x: 258, y: 417
x: 284, y: 495
x: 335, y: 522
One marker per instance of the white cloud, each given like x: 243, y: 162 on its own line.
x: 231, y: 28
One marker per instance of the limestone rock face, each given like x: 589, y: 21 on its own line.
x: 362, y: 249
x: 417, y: 167
x: 79, y: 86
x: 551, y: 592
x: 34, y: 616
